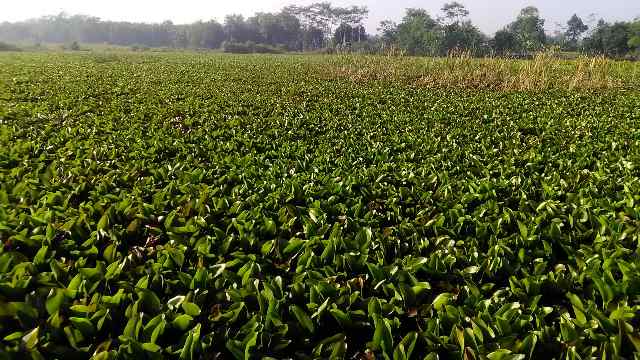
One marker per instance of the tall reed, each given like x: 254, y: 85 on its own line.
x: 459, y: 70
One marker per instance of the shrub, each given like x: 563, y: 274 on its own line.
x: 266, y: 49
x: 74, y: 46
x: 8, y: 47
x: 250, y: 47
x: 105, y: 58
x: 236, y: 48
x: 140, y: 48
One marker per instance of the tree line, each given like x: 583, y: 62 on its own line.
x: 294, y: 28
x: 325, y: 26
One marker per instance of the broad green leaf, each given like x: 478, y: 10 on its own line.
x: 303, y: 318
x: 441, y: 300
x: 30, y: 339
x: 182, y: 322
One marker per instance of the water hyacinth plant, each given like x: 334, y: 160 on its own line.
x: 206, y: 206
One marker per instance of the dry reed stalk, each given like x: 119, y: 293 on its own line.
x: 460, y: 70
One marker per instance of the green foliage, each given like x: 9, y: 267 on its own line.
x: 237, y: 48
x: 417, y: 33
x: 187, y: 206
x: 634, y: 37
x: 463, y: 36
x: 525, y: 35
x: 609, y: 39
x: 347, y: 34
x: 322, y: 27
x: 504, y: 42
x: 74, y: 46
x: 277, y: 29
x: 8, y: 47
x: 575, y: 28
x: 249, y: 48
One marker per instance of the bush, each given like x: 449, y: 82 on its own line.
x: 8, y: 47
x: 634, y: 56
x: 266, y: 49
x: 101, y: 58
x: 236, y: 48
x: 321, y: 51
x: 140, y: 48
x: 74, y: 46
x: 250, y: 47
x: 368, y: 47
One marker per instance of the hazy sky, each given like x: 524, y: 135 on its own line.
x: 489, y: 15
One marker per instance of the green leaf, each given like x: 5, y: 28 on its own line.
x: 132, y: 328
x: 578, y: 308
x: 191, y: 347
x: 459, y: 333
x: 14, y: 336
x: 182, y: 322
x: 150, y: 301
x: 219, y: 270
x: 382, y: 337
x: 250, y: 344
x: 374, y: 307
x: 441, y: 300
x: 30, y: 339
x: 83, y: 325
x: 472, y: 270
x: 134, y: 226
x: 103, y: 224
x: 40, y: 256
x: 158, y: 331
x: 55, y: 301
x: 191, y: 308
x: 504, y: 354
x: 635, y: 340
x: 555, y: 232
x: 320, y: 309
x: 405, y: 348
x: 150, y: 347
x: 168, y: 222
x: 524, y: 233
x: 303, y: 318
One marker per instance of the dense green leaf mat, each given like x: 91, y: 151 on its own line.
x: 208, y: 206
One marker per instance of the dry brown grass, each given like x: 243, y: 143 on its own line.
x: 545, y: 71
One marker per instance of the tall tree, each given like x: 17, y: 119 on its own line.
x: 609, y: 39
x: 504, y: 42
x: 459, y: 34
x: 388, y: 31
x: 528, y: 30
x: 454, y: 12
x: 325, y: 17
x: 181, y: 38
x: 575, y: 28
x: 277, y: 29
x: 463, y: 36
x: 238, y: 30
x: 196, y: 34
x: 347, y: 34
x: 634, y: 35
x: 418, y: 33
x: 617, y: 39
x: 213, y: 35
x: 289, y: 31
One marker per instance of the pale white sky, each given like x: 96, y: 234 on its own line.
x: 489, y: 15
